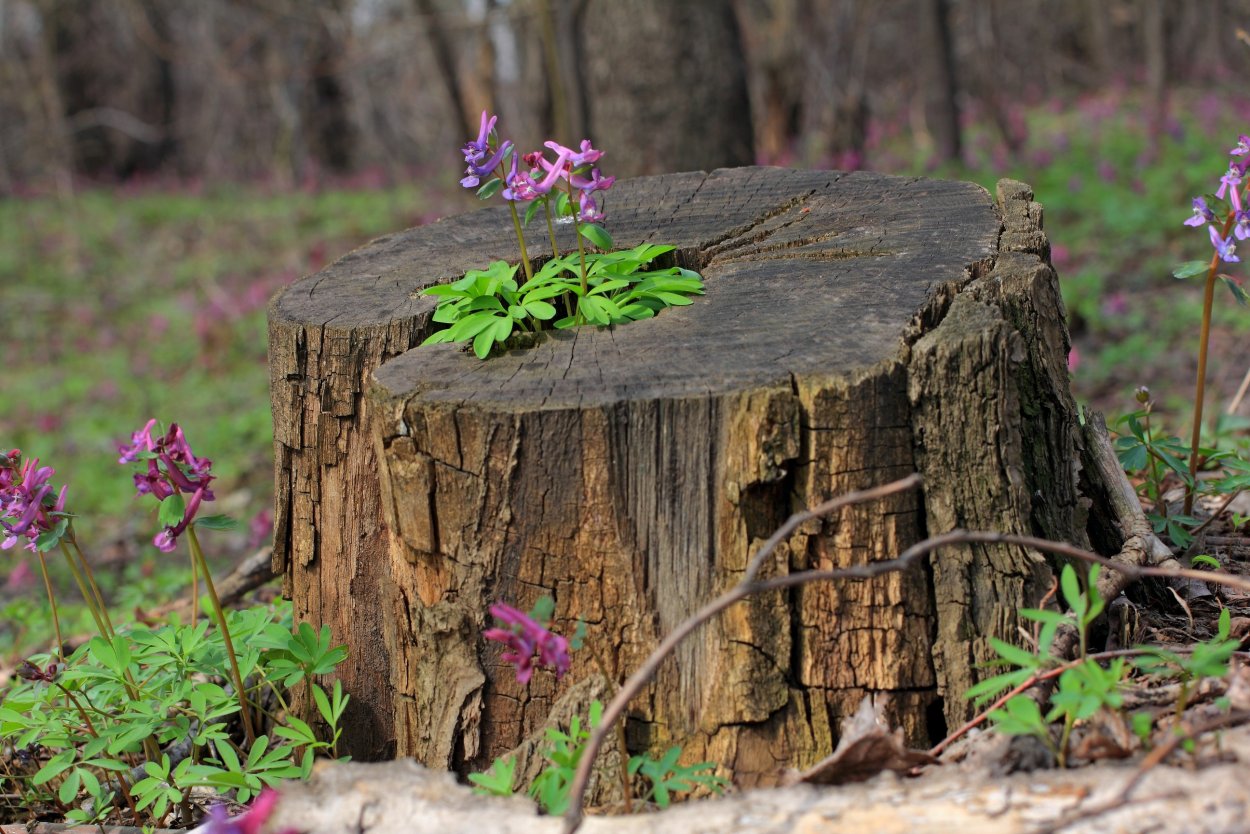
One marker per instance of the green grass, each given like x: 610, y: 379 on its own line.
x: 120, y: 308
x: 1114, y: 210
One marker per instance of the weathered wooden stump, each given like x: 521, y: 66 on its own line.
x: 856, y: 328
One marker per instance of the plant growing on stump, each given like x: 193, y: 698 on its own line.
x: 602, y: 288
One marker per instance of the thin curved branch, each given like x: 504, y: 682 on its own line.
x: 640, y: 678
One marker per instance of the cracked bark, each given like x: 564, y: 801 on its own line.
x: 856, y: 328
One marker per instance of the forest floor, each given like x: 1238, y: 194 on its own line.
x: 149, y: 299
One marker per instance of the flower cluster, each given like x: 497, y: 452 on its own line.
x: 479, y: 156
x: 172, y: 468
x: 1239, y: 215
x: 540, y: 175
x: 526, y: 638
x: 28, y: 505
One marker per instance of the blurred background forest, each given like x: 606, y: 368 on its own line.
x: 167, y: 165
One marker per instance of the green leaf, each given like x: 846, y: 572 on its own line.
x: 216, y: 522
x: 483, y: 342
x: 596, y: 235
x: 49, y: 539
x: 470, y: 326
x: 69, y: 788
x: 171, y: 510
x: 498, y: 780
x: 1190, y: 269
x: 490, y: 189
x: 532, y: 209
x: 540, y: 310
x: 56, y: 765
x: 297, y: 731
x: 1014, y: 654
x: 1237, y: 290
x: 1205, y: 560
x: 1072, y: 592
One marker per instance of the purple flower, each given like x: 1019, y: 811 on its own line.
x: 1202, y: 213
x: 26, y: 499
x: 1241, y: 226
x: 476, y: 150
x: 478, y: 156
x: 523, y: 187
x: 247, y: 823
x: 1232, y: 177
x: 140, y: 442
x: 1243, y: 146
x: 585, y: 156
x: 1224, y: 247
x: 597, y: 182
x: 153, y: 482
x: 588, y: 210
x: 173, y: 468
x: 525, y: 638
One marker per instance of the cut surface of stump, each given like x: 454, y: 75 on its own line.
x: 856, y: 328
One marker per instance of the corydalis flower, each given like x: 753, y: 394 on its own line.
x: 171, y: 467
x: 250, y: 822
x: 1202, y: 213
x: 1232, y: 177
x: 524, y: 187
x: 478, y: 156
x: 1224, y: 247
x: 526, y: 638
x: 27, y: 500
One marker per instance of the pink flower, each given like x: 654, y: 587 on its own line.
x: 525, y: 637
x: 140, y: 442
x: 172, y: 467
x: 249, y: 822
x: 26, y: 499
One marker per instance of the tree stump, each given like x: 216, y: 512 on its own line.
x: 856, y: 328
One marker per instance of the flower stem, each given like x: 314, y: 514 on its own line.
x: 56, y: 619
x: 581, y: 252
x: 520, y: 239
x: 551, y: 229
x: 1208, y: 298
x: 105, y: 631
x: 195, y: 590
x: 1160, y: 508
x: 87, y: 572
x: 555, y: 252
x: 245, y: 713
x: 95, y: 604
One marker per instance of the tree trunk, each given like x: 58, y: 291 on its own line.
x: 856, y: 328
x: 666, y: 85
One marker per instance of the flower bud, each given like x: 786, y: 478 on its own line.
x: 1142, y: 394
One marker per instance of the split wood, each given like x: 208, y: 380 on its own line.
x: 749, y: 585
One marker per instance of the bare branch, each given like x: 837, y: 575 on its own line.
x: 634, y: 684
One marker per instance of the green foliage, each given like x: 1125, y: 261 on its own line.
x: 137, y: 302
x: 150, y: 688
x: 1083, y: 688
x: 485, y: 307
x: 1206, y: 659
x: 497, y: 781
x: 666, y: 777
x: 1087, y: 686
x: 563, y: 751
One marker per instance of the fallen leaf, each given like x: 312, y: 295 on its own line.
x: 867, y: 746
